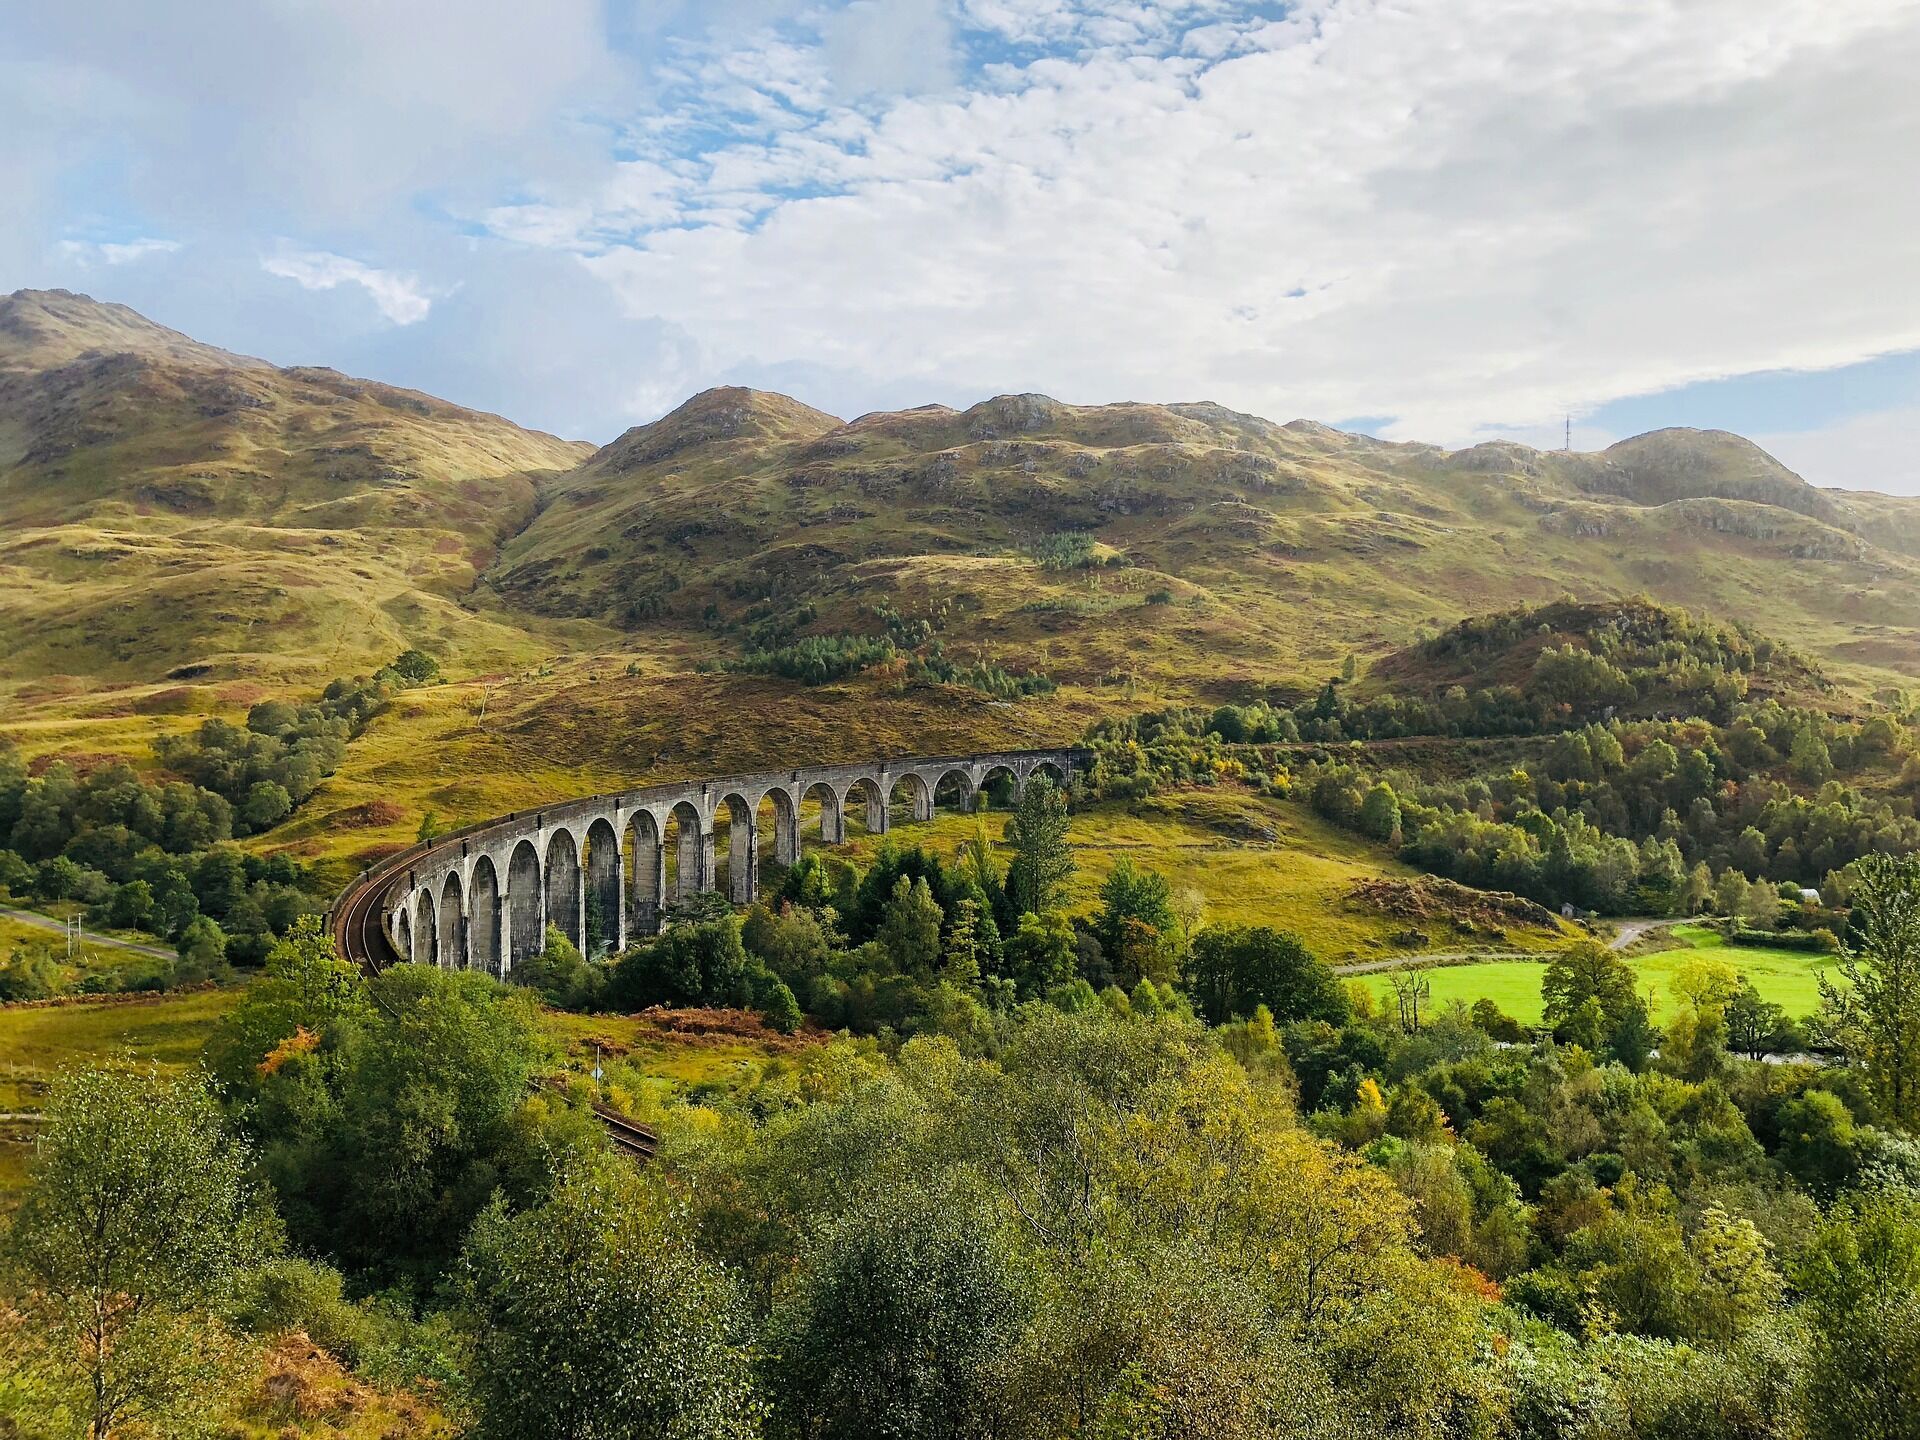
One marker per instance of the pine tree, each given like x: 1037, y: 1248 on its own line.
x: 1042, y: 862
x: 960, y: 961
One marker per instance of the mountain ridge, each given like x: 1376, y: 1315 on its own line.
x: 171, y: 506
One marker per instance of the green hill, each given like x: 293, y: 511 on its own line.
x: 183, y: 531
x: 169, y: 509
x: 1184, y: 547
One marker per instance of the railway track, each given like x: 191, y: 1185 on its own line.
x: 362, y: 940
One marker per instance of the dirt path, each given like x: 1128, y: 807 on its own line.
x: 47, y: 922
x: 1632, y: 930
x: 1435, y: 958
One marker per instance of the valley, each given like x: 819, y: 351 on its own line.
x: 186, y: 533
x: 1466, y: 865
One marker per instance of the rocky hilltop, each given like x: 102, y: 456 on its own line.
x: 168, y: 508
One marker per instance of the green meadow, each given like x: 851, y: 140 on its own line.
x: 1789, y: 978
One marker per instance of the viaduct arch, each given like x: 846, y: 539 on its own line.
x: 482, y: 897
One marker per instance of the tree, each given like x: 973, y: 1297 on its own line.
x: 690, y: 963
x: 202, y: 946
x: 795, y: 941
x: 1589, y: 1001
x: 140, y: 1215
x: 431, y: 828
x: 1875, y: 1014
x: 906, y: 1320
x: 1040, y: 954
x: 1861, y: 1279
x: 1586, y: 971
x: 960, y: 954
x: 1698, y: 890
x: 266, y: 805
x: 1819, y: 1144
x: 1757, y: 1027
x: 1706, y: 984
x: 416, y: 667
x: 131, y: 906
x: 1730, y: 892
x: 1132, y: 893
x: 1811, y: 763
x: 1042, y: 862
x: 1738, y: 1280
x: 56, y: 879
x: 594, y: 1315
x: 1411, y: 990
x: 559, y: 974
x: 910, y: 927
x: 389, y: 1111
x: 1380, y: 812
x: 1761, y: 907
x: 778, y: 1005
x: 1230, y: 971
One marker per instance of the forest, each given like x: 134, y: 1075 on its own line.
x: 1635, y: 773
x: 1236, y: 1199
x: 154, y: 852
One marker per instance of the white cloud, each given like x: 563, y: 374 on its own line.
x: 892, y: 46
x: 1874, y: 451
x: 400, y: 298
x: 1464, y: 213
x: 112, y: 252
x: 1471, y: 215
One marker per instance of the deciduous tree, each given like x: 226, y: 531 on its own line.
x: 1874, y: 1010
x: 595, y: 1317
x: 140, y: 1215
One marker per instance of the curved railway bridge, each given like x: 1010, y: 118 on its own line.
x: 482, y: 897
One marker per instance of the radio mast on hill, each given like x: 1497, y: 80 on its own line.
x: 1567, y: 444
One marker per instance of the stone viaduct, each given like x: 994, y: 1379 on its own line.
x: 481, y: 898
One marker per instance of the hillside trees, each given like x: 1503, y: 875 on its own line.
x: 1139, y: 933
x: 907, y: 1318
x: 1875, y: 1014
x: 140, y: 1216
x: 1861, y: 1276
x: 1766, y: 788
x: 154, y: 853
x: 1231, y: 972
x: 593, y: 1313
x: 389, y: 1111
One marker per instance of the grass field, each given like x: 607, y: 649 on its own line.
x: 1789, y: 978
x: 120, y: 967
x: 645, y: 1065
x: 37, y: 1042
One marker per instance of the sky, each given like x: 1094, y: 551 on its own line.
x: 1439, y: 220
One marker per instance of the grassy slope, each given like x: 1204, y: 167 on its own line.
x: 37, y: 1042
x: 164, y: 505
x: 1253, y: 861
x: 1282, y: 547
